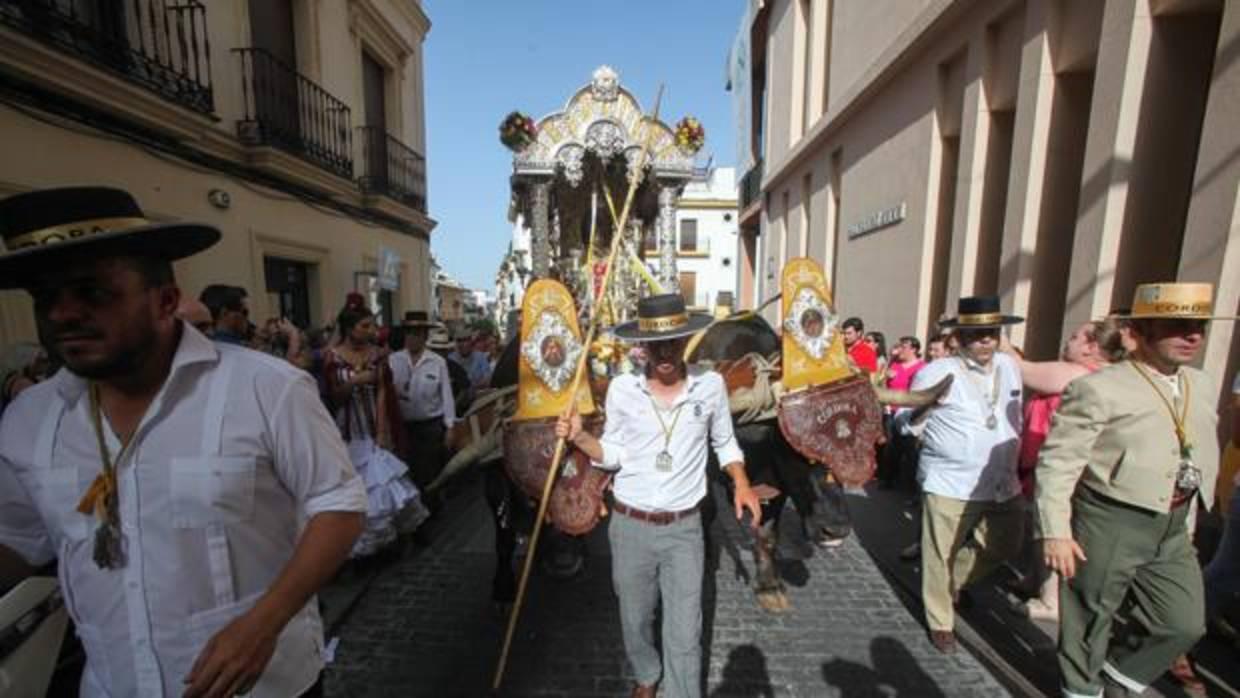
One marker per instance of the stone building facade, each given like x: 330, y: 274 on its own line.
x: 1055, y: 152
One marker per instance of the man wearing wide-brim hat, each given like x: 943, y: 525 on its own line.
x: 1131, y: 448
x: 970, y: 443
x: 424, y: 393
x: 170, y: 475
x: 658, y: 430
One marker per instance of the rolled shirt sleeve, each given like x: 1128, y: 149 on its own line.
x: 310, y: 457
x: 1064, y: 456
x: 612, y: 441
x: 21, y: 527
x: 902, y: 422
x: 449, y: 402
x: 401, y: 369
x: 722, y: 436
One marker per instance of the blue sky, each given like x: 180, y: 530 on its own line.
x: 485, y: 58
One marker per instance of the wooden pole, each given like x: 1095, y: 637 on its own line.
x: 560, y: 444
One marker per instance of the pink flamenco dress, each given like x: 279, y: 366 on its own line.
x: 368, y: 421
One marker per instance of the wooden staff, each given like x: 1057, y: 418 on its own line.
x: 560, y: 444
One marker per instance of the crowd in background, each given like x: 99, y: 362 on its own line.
x: 369, y: 388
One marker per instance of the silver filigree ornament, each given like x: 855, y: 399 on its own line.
x: 606, y: 139
x: 811, y: 323
x: 572, y: 160
x: 605, y: 85
x: 550, y: 331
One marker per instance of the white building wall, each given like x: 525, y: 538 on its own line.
x: 712, y: 203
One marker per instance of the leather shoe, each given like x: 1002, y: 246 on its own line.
x: 943, y: 641
x: 640, y: 691
x: 1184, y: 674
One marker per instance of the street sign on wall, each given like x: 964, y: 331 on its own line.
x: 389, y: 269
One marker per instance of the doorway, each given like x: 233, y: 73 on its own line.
x: 288, y: 284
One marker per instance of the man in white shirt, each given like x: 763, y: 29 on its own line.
x: 424, y: 392
x: 970, y: 443
x: 196, y: 494
x: 656, y: 439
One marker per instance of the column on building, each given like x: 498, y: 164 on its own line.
x: 1123, y: 56
x: 1212, y: 234
x: 666, y: 231
x: 1051, y: 122
x: 540, y: 227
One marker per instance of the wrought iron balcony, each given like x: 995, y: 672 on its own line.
x: 392, y: 168
x: 159, y: 44
x: 751, y: 185
x: 285, y: 109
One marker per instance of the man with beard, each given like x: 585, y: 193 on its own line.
x: 658, y: 428
x: 196, y: 494
x: 1131, y: 448
x: 971, y: 516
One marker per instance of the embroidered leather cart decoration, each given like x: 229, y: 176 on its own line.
x: 829, y: 413
x: 550, y: 348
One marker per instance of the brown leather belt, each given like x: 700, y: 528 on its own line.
x: 658, y: 518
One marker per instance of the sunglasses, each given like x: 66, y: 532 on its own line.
x: 979, y: 334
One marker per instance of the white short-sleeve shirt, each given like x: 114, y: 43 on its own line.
x: 962, y: 456
x: 234, y: 455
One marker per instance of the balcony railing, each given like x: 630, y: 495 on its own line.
x: 751, y: 185
x: 392, y: 168
x: 286, y: 109
x: 159, y: 44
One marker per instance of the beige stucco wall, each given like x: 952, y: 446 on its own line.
x: 862, y: 31
x: 258, y: 221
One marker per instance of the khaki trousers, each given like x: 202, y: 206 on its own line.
x: 962, y: 541
x: 1140, y: 564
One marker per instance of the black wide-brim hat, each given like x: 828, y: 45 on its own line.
x: 416, y: 319
x: 42, y: 229
x: 661, y: 317
x: 979, y: 312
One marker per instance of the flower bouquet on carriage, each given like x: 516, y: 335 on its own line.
x: 690, y: 134
x: 517, y: 131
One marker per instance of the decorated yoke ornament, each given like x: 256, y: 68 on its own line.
x: 552, y: 351
x: 811, y: 323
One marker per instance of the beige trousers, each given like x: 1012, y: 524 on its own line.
x: 961, y: 542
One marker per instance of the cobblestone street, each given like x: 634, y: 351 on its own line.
x: 426, y: 627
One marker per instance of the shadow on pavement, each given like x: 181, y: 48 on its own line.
x: 1020, y: 650
x: 745, y: 675
x: 895, y: 673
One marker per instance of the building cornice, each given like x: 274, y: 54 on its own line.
x: 394, y: 208
x: 412, y: 10
x: 901, y: 53
x: 368, y: 22
x: 683, y: 204
x: 57, y: 71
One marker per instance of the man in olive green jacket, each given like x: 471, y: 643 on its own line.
x: 1130, y: 450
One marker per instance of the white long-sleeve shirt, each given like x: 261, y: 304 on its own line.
x: 633, y: 438
x: 423, y: 390
x: 234, y: 454
x: 961, y: 457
